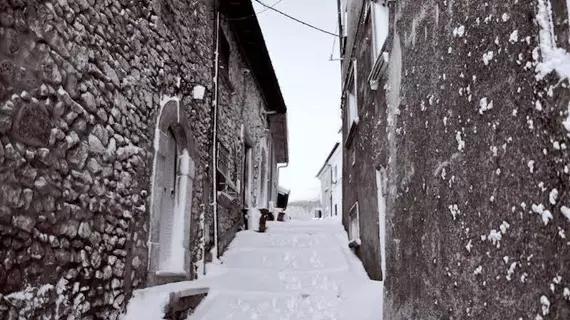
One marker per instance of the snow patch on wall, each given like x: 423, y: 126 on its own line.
x: 460, y: 31
x: 460, y: 141
x: 514, y: 36
x: 487, y: 57
x: 544, y: 214
x: 566, y: 122
x: 566, y: 212
x: 484, y: 105
x: 454, y: 210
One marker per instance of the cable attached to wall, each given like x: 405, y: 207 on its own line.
x: 297, y: 20
x: 271, y: 7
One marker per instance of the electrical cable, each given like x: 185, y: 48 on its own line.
x: 255, y: 14
x: 295, y: 19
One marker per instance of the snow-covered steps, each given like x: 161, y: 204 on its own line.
x: 294, y: 259
x: 257, y: 280
x: 294, y: 271
x: 262, y: 306
x: 281, y: 239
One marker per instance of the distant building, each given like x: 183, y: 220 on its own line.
x: 303, y: 209
x: 330, y: 176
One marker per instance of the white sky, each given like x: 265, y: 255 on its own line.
x: 310, y: 84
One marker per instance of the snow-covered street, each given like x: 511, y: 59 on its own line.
x: 296, y: 270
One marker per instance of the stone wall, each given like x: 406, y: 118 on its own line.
x: 240, y: 108
x: 368, y: 147
x: 473, y: 137
x: 80, y: 89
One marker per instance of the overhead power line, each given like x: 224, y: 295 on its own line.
x: 295, y: 19
x: 267, y: 8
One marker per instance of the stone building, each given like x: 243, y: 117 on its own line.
x: 133, y: 133
x: 330, y: 176
x: 455, y: 166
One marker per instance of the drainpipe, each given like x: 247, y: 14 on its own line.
x: 215, y: 134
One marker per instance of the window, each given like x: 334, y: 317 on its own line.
x: 225, y: 174
x: 172, y: 186
x: 353, y: 156
x: 354, y: 225
x: 380, y: 25
x: 224, y: 55
x: 335, y: 174
x: 351, y: 101
x: 336, y: 209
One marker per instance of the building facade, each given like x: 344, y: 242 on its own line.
x: 330, y: 177
x: 132, y: 136
x: 455, y: 162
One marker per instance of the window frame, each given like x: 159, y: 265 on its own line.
x: 379, y: 56
x: 352, y: 118
x: 354, y: 221
x: 376, y: 48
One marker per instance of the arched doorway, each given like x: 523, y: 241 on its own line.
x: 172, y: 190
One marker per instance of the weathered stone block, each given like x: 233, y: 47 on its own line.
x: 32, y: 125
x: 95, y: 145
x: 5, y: 123
x: 24, y: 223
x: 68, y: 228
x: 78, y: 155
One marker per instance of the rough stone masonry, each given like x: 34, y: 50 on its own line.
x: 474, y: 136
x: 80, y: 88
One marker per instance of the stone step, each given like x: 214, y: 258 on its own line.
x: 293, y: 259
x: 326, y: 280
x: 268, y: 306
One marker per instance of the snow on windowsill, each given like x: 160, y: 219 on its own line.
x: 171, y: 273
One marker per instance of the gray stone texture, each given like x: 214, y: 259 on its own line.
x: 241, y: 104
x: 426, y: 106
x: 80, y: 90
x: 80, y: 85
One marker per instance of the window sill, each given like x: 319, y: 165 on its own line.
x: 351, y: 134
x: 171, y: 273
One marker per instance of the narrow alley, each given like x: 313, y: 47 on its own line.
x: 284, y: 159
x: 295, y: 270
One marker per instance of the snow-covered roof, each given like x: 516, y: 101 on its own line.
x: 328, y: 158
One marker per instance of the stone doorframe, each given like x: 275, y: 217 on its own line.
x: 262, y: 199
x: 170, y: 231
